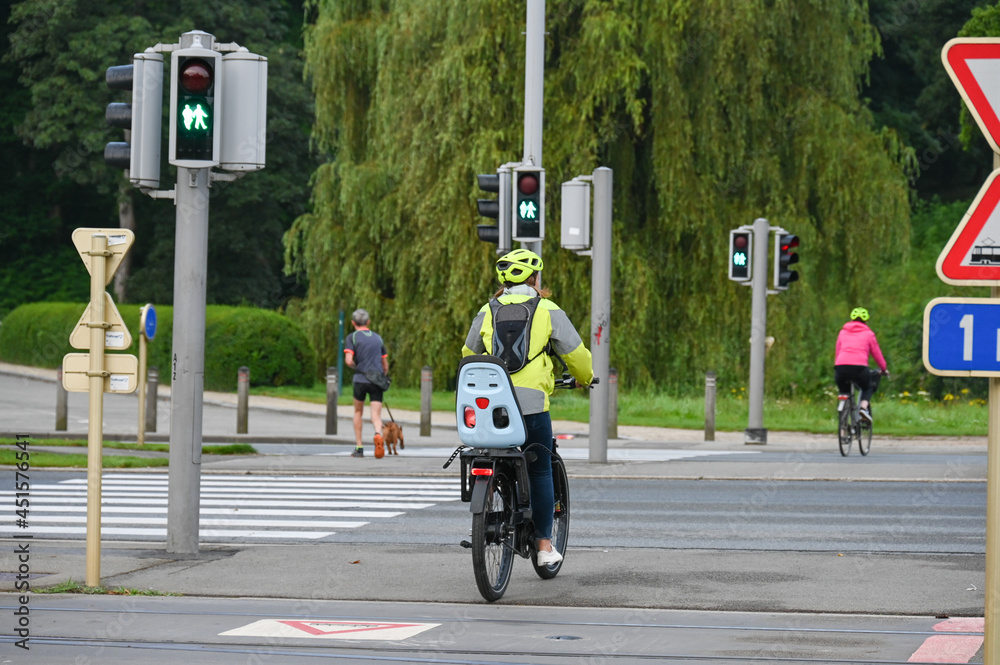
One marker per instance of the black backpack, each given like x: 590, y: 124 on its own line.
x: 512, y: 332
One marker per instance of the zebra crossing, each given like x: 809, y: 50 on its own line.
x: 242, y: 508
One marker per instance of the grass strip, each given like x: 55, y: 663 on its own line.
x: 71, y: 586
x: 79, y: 460
x: 210, y: 449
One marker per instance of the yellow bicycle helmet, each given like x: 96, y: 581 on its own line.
x: 517, y: 266
x: 859, y: 313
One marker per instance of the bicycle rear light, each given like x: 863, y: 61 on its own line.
x: 482, y: 471
x: 470, y: 417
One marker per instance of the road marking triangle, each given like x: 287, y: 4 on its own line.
x: 335, y: 630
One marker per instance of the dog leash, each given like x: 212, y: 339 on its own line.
x: 388, y: 411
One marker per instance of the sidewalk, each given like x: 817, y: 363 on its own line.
x: 304, y: 422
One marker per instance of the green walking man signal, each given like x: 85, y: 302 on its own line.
x: 528, y: 210
x: 194, y: 118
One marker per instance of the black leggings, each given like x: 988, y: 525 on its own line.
x: 866, y: 378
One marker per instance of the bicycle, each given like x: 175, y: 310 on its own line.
x: 850, y: 424
x: 494, y: 472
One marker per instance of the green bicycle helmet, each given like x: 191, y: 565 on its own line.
x: 859, y: 313
x: 517, y: 266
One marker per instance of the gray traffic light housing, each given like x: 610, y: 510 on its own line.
x: 785, y: 245
x: 140, y: 154
x: 528, y: 203
x: 196, y: 107
x: 498, y: 208
x: 740, y: 255
x: 244, y: 118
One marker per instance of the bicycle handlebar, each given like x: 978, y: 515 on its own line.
x: 568, y: 381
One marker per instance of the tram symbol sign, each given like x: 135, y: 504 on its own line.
x: 972, y: 255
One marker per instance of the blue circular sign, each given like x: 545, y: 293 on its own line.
x: 148, y: 322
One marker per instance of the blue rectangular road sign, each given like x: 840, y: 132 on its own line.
x: 962, y: 336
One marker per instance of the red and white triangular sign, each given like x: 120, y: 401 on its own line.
x: 973, y: 63
x: 972, y: 255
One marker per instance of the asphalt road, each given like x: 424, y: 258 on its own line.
x: 789, y: 550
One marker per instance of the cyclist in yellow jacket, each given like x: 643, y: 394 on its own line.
x: 550, y: 328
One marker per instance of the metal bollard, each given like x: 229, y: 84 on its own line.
x: 426, y: 391
x: 710, y: 406
x: 332, y: 389
x: 61, y: 402
x: 612, y: 403
x: 152, y: 384
x: 242, y: 400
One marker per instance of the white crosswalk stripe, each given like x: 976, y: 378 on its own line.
x: 232, y: 508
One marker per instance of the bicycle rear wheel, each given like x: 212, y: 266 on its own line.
x: 560, y: 521
x: 864, y: 436
x: 493, y: 538
x: 845, y: 428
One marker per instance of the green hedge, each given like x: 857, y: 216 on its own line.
x: 272, y: 346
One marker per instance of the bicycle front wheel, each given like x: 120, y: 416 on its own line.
x: 493, y: 538
x: 845, y: 429
x: 864, y: 436
x: 560, y: 520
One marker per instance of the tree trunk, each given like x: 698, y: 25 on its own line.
x: 126, y: 220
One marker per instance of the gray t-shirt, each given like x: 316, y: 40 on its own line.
x: 368, y: 352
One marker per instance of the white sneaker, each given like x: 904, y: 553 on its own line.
x: 548, y: 558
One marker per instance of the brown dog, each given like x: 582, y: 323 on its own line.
x: 392, y: 433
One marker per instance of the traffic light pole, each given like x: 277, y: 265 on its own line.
x: 534, y: 74
x: 600, y: 313
x: 188, y: 362
x: 755, y: 432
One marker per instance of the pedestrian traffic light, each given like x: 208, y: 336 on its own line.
x: 529, y: 204
x: 140, y: 152
x: 785, y: 245
x: 195, y: 107
x: 498, y: 209
x: 740, y: 246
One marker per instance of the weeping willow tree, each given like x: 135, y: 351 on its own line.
x: 711, y: 113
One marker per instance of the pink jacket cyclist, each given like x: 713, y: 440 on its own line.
x: 855, y: 343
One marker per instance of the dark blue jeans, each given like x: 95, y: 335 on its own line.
x: 543, y: 501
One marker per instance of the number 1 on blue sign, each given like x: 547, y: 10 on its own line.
x: 962, y: 337
x: 966, y: 325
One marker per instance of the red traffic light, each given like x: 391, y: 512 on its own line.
x: 788, y: 242
x: 740, y: 241
x: 527, y: 183
x: 196, y: 77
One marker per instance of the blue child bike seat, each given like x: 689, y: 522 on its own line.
x: 486, y: 407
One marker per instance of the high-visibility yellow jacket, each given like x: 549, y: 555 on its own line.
x: 535, y: 381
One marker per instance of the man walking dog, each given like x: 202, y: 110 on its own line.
x: 365, y: 352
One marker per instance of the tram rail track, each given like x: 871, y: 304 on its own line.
x: 464, y: 638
